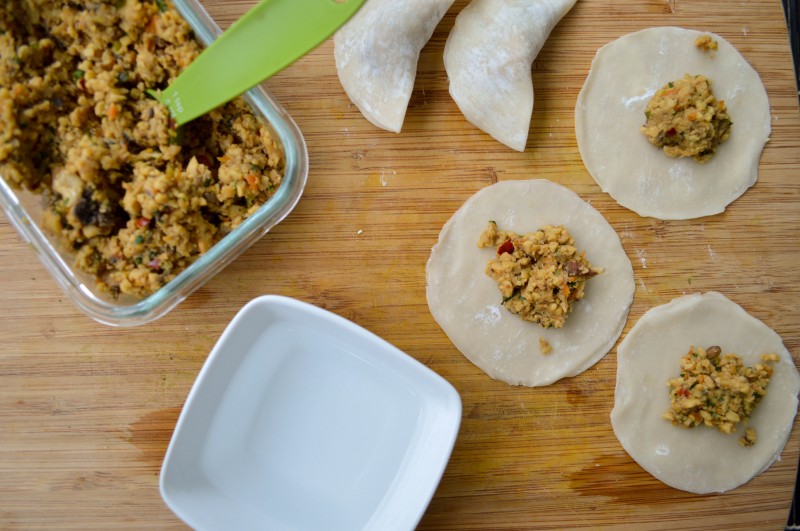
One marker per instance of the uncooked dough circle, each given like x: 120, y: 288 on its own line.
x: 467, y: 303
x: 610, y: 110
x: 702, y: 459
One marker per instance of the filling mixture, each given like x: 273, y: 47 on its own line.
x: 544, y: 346
x: 136, y: 198
x: 706, y: 43
x: 684, y: 119
x: 540, y: 274
x: 717, y: 390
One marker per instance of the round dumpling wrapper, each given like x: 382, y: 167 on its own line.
x: 624, y: 76
x: 701, y: 459
x: 467, y: 303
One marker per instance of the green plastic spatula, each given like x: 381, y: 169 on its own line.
x: 268, y: 38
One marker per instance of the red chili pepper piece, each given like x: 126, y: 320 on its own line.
x: 142, y: 222
x: 671, y: 132
x: 507, y: 247
x: 683, y: 392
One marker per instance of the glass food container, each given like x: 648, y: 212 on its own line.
x: 24, y: 210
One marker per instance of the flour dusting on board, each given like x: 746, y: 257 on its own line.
x: 642, y: 255
x: 643, y: 288
x: 385, y: 173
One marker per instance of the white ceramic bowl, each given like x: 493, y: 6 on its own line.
x: 302, y: 420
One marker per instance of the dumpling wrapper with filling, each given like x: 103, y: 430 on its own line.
x: 377, y: 52
x: 701, y: 459
x: 624, y: 76
x: 488, y: 58
x: 467, y: 303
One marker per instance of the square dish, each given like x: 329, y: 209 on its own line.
x: 301, y: 419
x: 25, y: 211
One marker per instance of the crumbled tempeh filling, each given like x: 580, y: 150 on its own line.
x: 136, y: 198
x: 684, y: 119
x: 544, y: 346
x: 717, y: 390
x: 540, y: 274
x: 706, y: 43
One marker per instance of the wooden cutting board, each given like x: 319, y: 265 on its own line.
x: 86, y: 411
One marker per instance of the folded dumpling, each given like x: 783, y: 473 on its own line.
x: 376, y: 55
x: 488, y: 58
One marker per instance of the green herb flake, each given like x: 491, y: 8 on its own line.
x: 176, y: 138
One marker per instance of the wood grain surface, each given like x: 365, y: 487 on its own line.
x: 87, y: 411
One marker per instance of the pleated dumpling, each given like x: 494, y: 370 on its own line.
x: 376, y: 55
x: 488, y: 58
